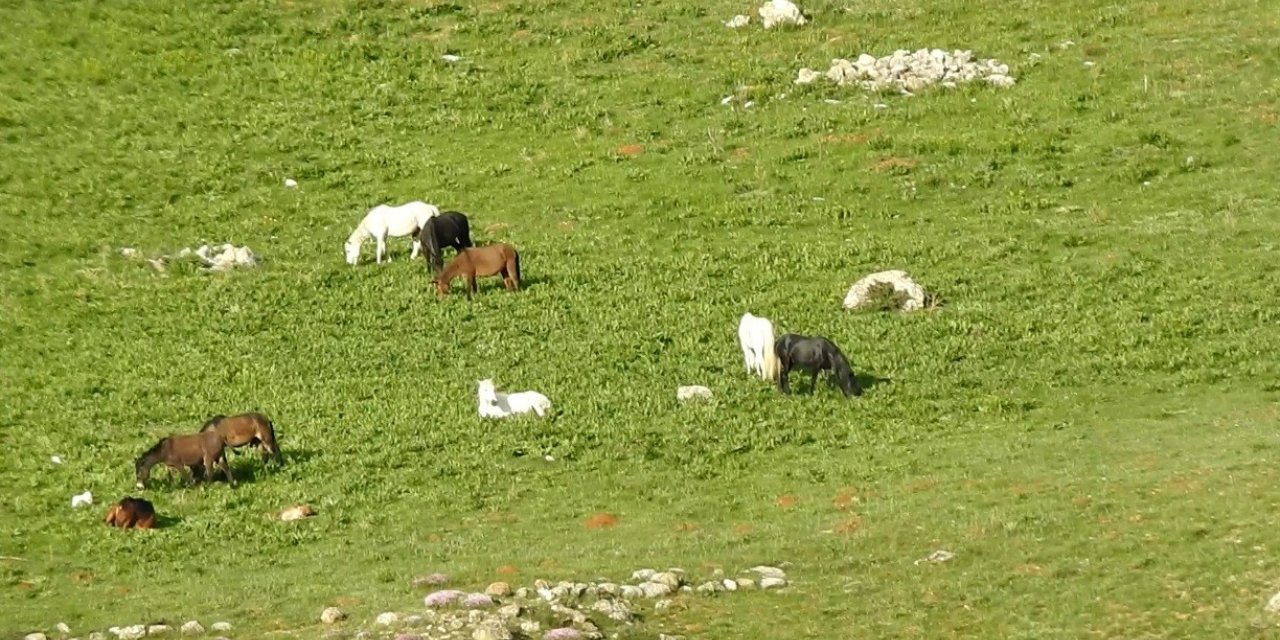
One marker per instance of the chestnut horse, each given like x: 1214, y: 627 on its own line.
x: 132, y: 512
x: 490, y: 260
x: 199, y: 451
x: 251, y: 429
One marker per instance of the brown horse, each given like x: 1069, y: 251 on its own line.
x: 132, y: 512
x: 252, y: 429
x: 489, y: 260
x: 197, y: 452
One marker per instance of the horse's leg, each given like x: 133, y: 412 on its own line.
x: 813, y: 382
x: 471, y: 285
x: 784, y: 384
x: 417, y: 245
x: 382, y: 247
x: 226, y: 468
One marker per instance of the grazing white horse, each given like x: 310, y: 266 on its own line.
x: 755, y: 335
x: 500, y: 405
x: 385, y: 220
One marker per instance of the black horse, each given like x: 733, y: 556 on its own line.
x: 814, y: 354
x: 449, y: 229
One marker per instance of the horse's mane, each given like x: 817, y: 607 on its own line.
x: 155, y: 449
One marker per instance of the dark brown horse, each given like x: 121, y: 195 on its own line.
x: 198, y: 453
x: 490, y: 260
x: 247, y: 429
x: 132, y: 512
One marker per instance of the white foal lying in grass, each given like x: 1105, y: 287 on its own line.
x: 385, y: 220
x: 755, y: 335
x: 501, y: 405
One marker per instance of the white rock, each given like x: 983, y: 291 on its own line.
x: 769, y: 572
x: 662, y: 605
x: 449, y: 57
x: 63, y: 628
x: 192, y: 628
x: 655, y: 589
x: 746, y: 583
x: 290, y: 183
x: 614, y: 609
x: 35, y: 636
x: 737, y: 21
x: 897, y: 278
x: 131, y: 632
x: 780, y: 12
x: 668, y: 578
x: 129, y: 252
x: 386, y: 618
x: 1273, y: 606
x: 807, y: 76
x: 632, y: 591
x: 641, y: 575
x: 55, y: 459
x: 331, y: 615
x: 530, y: 627
x: 941, y: 555
x: 83, y: 500
x: 772, y: 583
x: 221, y: 626
x: 158, y: 629
x: 692, y: 392
x: 97, y: 635
x: 729, y: 584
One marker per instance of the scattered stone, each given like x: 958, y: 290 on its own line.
x: 746, y: 583
x: 607, y: 588
x: 909, y: 72
x: 449, y: 57
x: 221, y: 626
x: 1273, y: 606
x: 632, y: 591
x: 297, y: 512
x: 641, y: 575
x: 498, y: 589
x: 780, y: 12
x: 693, y: 392
x: 386, y: 619
x: 769, y: 572
x: 229, y: 257
x: 192, y: 628
x: 129, y: 252
x: 737, y: 21
x: 62, y: 628
x: 668, y: 578
x: 508, y: 611
x: 158, y: 629
x: 443, y: 598
x: 615, y: 610
x: 82, y: 500
x: 941, y: 555
x: 530, y: 627
x: 491, y: 630
x: 132, y: 632
x: 662, y: 605
x: 35, y: 636
x: 522, y: 593
x: 655, y: 589
x: 290, y: 183
x: 898, y: 279
x: 97, y: 635
x: 432, y: 580
x: 332, y: 615
x: 730, y: 584
x: 772, y: 583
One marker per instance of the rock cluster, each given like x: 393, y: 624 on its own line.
x: 910, y: 72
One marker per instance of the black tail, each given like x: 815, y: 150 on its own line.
x: 518, y: 276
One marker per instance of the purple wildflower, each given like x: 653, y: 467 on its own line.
x: 442, y: 598
x: 477, y: 600
x: 563, y: 633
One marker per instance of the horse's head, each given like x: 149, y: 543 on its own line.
x: 485, y: 390
x: 442, y: 287
x: 352, y: 250
x: 142, y: 471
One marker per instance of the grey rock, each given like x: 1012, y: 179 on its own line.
x: 191, y: 628
x: 386, y: 619
x: 530, y: 627
x: 615, y: 610
x: 522, y: 593
x: 62, y: 628
x: 662, y: 605
x: 1273, y: 605
x: 332, y: 615
x: 97, y: 635
x: 655, y: 589
x: 631, y: 591
x: 35, y: 636
x: 668, y: 578
x: 746, y: 583
x: 641, y: 575
x: 712, y: 587
x: 221, y: 626
x: 769, y: 572
x: 608, y: 588
x: 158, y: 629
x: 772, y: 583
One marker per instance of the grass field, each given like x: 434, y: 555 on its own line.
x: 1088, y: 422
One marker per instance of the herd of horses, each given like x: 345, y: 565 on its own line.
x: 202, y: 454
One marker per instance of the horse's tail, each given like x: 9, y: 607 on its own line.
x: 270, y: 438
x: 770, y: 352
x: 517, y: 258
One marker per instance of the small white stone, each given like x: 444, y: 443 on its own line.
x: 331, y: 615
x: 192, y: 628
x: 730, y: 584
x: 772, y: 583
x: 55, y: 459
x: 769, y: 572
x: 655, y: 589
x: 158, y: 629
x: 290, y: 183
x: 1273, y: 606
x: 386, y: 618
x: 34, y: 636
x: 82, y: 500
x: 63, y: 628
x: 221, y: 626
x: 449, y: 57
x: 737, y: 21
x: 642, y: 574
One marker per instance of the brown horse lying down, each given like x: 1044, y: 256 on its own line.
x: 132, y: 512
x: 251, y: 429
x: 489, y: 260
x: 199, y: 451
